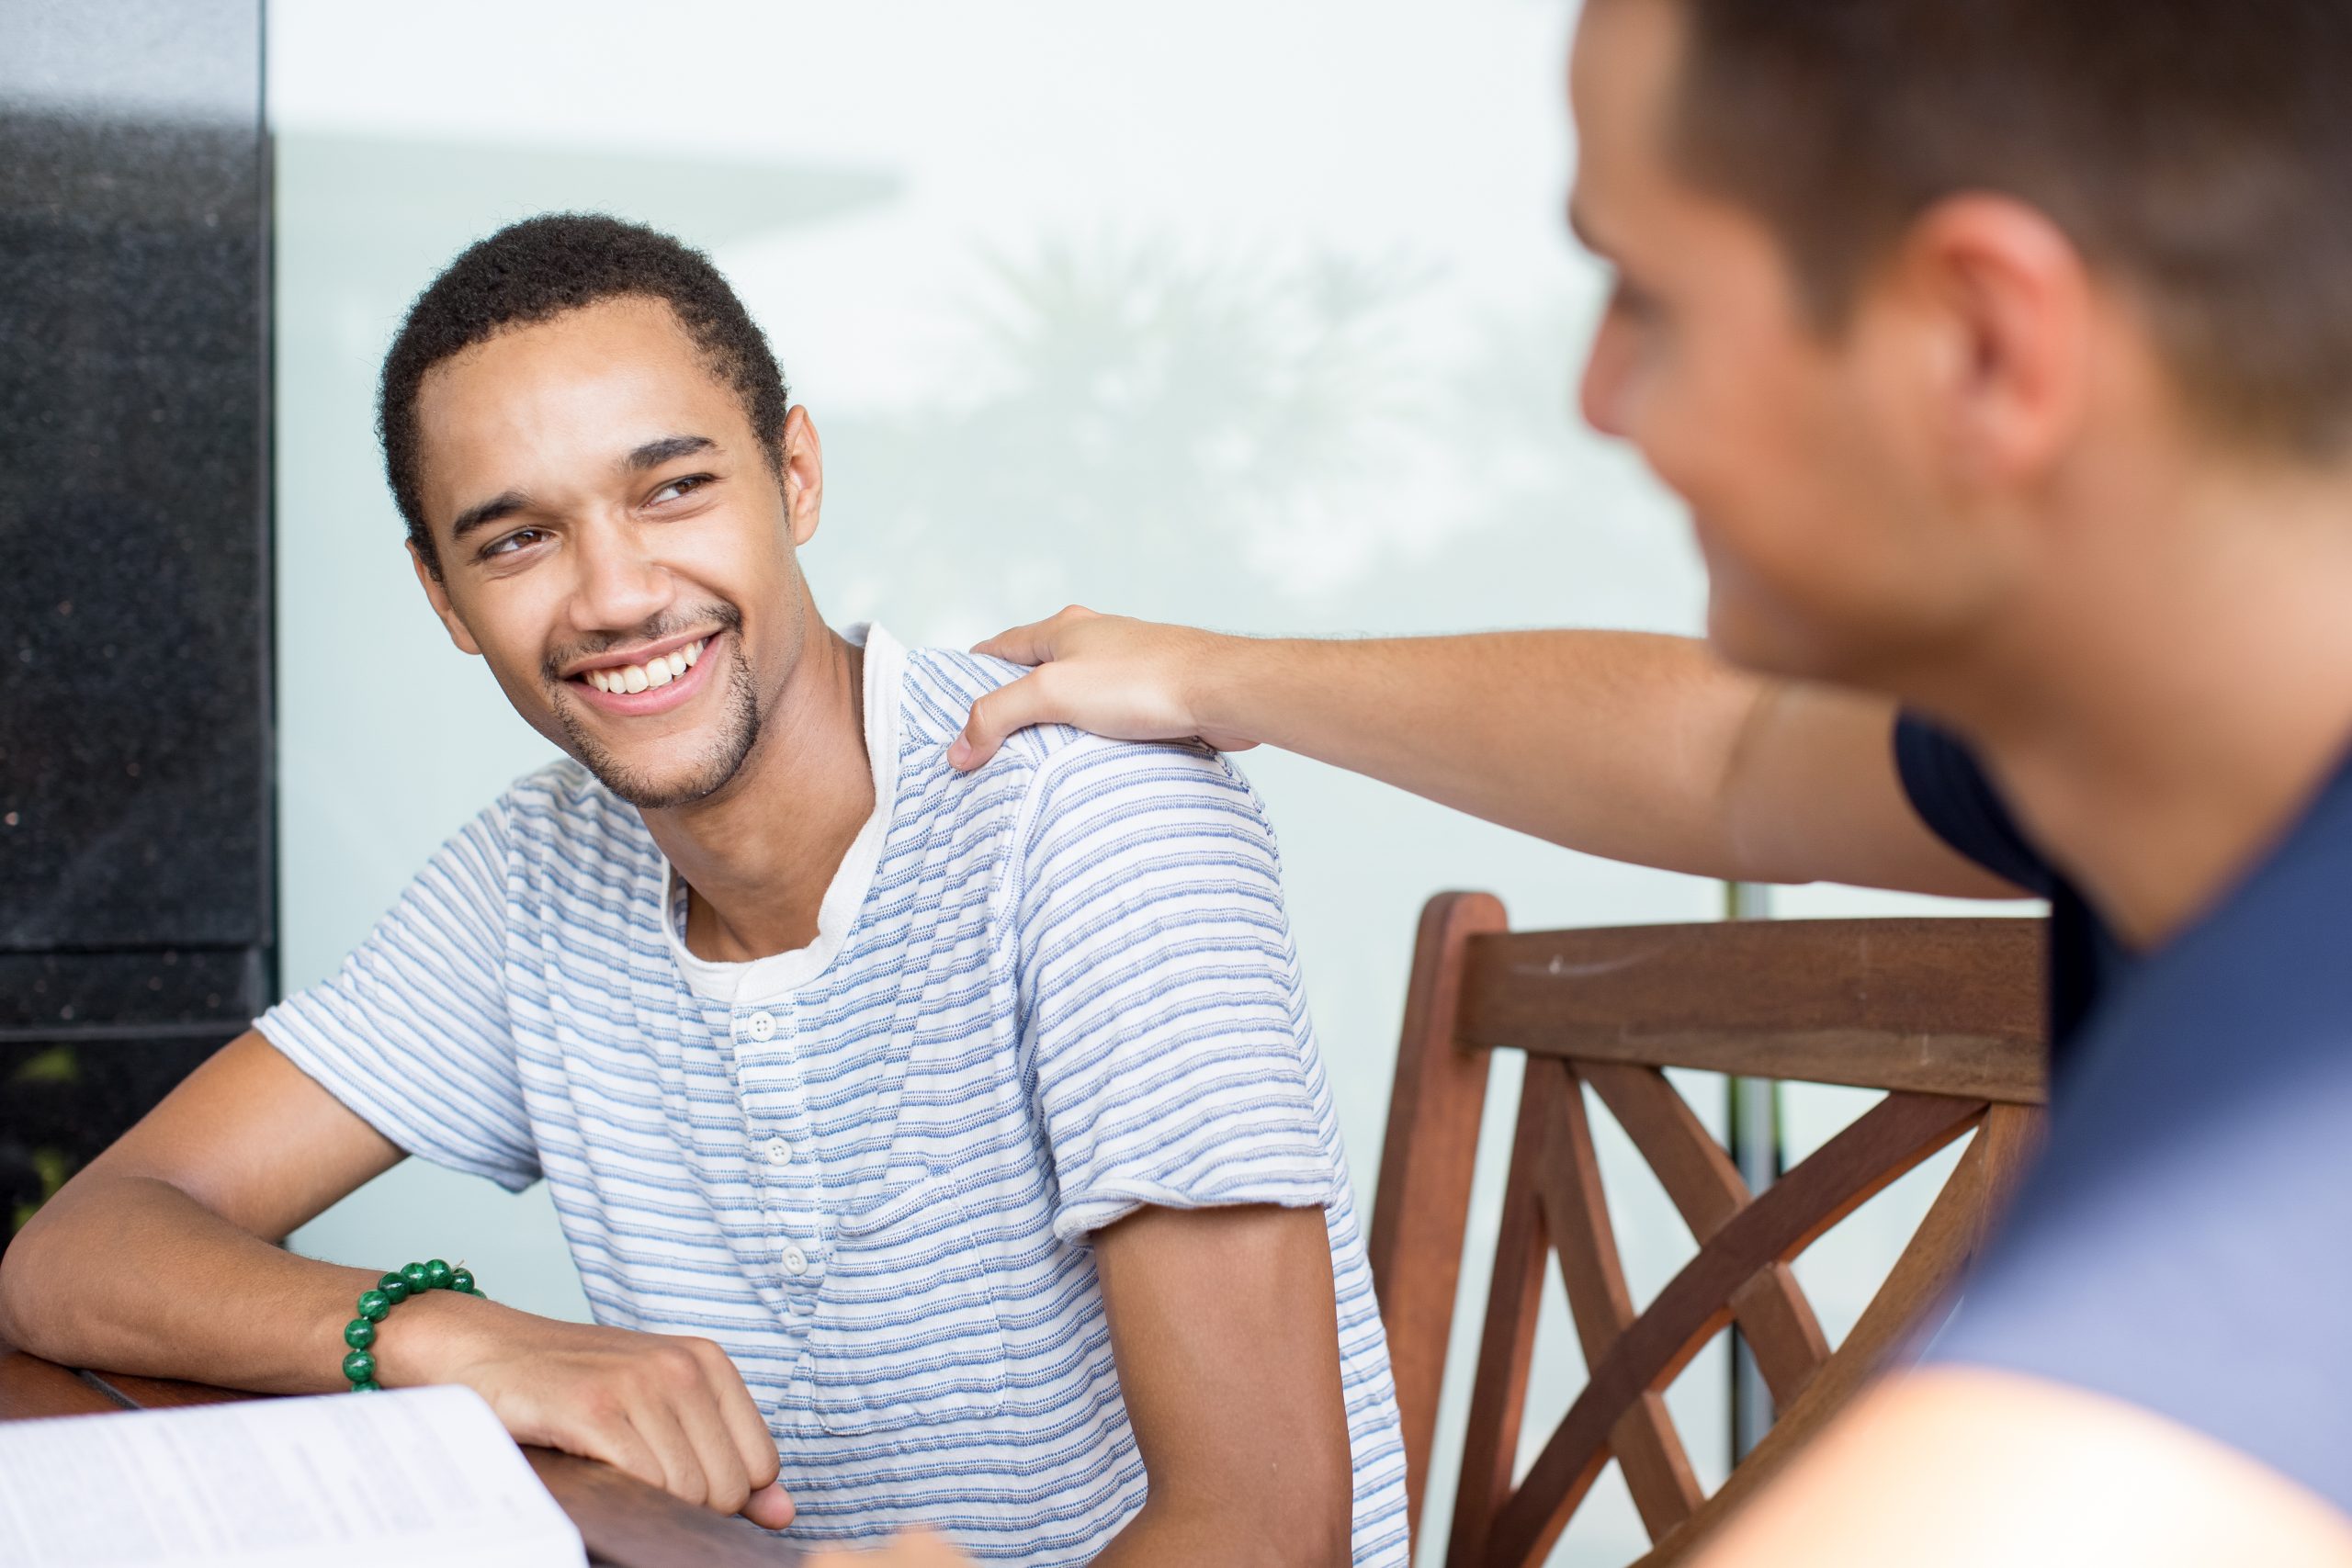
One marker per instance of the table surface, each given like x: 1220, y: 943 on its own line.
x: 623, y: 1522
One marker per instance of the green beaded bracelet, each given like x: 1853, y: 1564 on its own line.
x: 376, y: 1304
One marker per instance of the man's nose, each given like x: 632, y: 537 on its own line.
x: 1602, y: 391
x: 620, y: 583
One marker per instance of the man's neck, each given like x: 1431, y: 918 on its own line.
x: 2161, y: 724
x: 758, y: 856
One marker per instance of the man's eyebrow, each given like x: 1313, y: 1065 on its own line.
x: 488, y: 512
x: 669, y: 448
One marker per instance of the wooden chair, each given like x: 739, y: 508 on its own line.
x: 1945, y: 1015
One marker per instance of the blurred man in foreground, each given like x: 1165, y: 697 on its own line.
x: 2003, y: 349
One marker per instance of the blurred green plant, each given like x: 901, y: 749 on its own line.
x: 50, y: 1166
x: 56, y: 1064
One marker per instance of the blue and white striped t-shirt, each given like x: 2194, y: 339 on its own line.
x: 1041, y: 996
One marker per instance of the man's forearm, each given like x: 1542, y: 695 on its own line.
x: 1620, y: 744
x: 133, y: 1275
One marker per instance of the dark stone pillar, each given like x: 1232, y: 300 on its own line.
x: 136, y: 931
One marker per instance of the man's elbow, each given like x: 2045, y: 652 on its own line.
x: 19, y: 1271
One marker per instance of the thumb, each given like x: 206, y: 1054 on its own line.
x: 770, y: 1508
x: 998, y: 714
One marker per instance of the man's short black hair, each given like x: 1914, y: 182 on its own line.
x: 538, y: 269
x: 2199, y: 150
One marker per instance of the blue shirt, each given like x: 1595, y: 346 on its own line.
x: 2182, y: 1242
x: 1041, y: 996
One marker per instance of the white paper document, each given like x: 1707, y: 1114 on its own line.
x: 277, y: 1483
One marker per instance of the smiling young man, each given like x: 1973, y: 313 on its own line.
x: 2003, y: 351
x: 952, y: 1147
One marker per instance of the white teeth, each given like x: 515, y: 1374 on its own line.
x: 657, y: 672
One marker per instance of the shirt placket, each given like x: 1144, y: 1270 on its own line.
x: 781, y: 1148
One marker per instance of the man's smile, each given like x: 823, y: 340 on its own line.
x: 651, y: 680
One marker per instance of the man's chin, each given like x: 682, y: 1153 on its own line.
x: 662, y: 786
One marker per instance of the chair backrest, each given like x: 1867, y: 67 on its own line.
x: 1946, y: 1015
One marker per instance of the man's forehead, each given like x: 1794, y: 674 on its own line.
x: 596, y: 393
x: 627, y: 336
x: 1621, y: 80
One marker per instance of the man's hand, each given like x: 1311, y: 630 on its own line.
x: 126, y: 1268
x: 1128, y: 680
x: 670, y: 1410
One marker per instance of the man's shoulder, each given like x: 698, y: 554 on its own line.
x: 942, y: 685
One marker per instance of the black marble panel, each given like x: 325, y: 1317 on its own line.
x: 133, y: 390
x: 135, y: 835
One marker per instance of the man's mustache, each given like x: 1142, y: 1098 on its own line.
x: 726, y: 617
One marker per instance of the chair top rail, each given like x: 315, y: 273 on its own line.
x: 1933, y: 1006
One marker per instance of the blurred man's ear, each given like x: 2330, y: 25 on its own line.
x: 804, y: 474
x: 2007, y: 307
x: 436, y: 593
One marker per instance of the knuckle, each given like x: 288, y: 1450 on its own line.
x: 678, y: 1369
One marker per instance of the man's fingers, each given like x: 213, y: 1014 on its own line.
x: 608, y: 1433
x: 726, y: 1482
x: 770, y: 1508
x: 1032, y: 644
x: 741, y: 1425
x: 997, y: 715
x: 681, y: 1468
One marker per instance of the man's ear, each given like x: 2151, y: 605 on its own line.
x: 2007, y: 304
x: 437, y: 593
x: 804, y: 474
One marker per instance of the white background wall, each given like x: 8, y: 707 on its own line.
x: 1253, y: 312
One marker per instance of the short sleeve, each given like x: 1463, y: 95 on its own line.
x: 1948, y: 790
x: 1162, y: 1017
x: 412, y: 1033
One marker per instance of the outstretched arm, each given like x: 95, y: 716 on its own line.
x: 162, y: 1256
x: 1636, y: 747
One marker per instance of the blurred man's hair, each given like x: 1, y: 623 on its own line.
x: 539, y: 268
x: 2200, y: 152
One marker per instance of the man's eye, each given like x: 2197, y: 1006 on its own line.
x: 679, y: 487
x: 514, y: 541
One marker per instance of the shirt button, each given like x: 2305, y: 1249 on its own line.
x: 794, y: 1260
x: 779, y: 1151
x: 761, y: 1025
